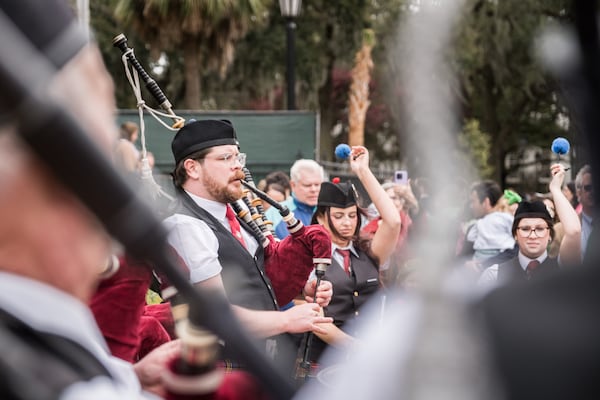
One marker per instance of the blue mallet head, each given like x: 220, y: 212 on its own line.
x: 560, y: 146
x: 342, y: 151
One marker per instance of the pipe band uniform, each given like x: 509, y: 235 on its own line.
x: 254, y: 270
x: 354, y: 271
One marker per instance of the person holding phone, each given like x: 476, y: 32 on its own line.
x: 406, y: 203
x: 401, y: 177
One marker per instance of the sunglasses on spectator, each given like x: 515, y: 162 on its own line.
x: 587, y: 188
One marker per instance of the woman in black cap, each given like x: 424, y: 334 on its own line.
x: 354, y: 271
x: 533, y: 230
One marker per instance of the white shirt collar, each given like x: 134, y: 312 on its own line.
x: 214, y: 208
x: 524, y: 261
x: 48, y: 309
x: 349, y: 247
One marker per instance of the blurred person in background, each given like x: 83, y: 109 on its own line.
x: 585, y: 195
x: 491, y: 234
x: 127, y: 155
x: 570, y: 192
x: 406, y: 204
x: 306, y: 177
x: 274, y: 191
x: 280, y: 178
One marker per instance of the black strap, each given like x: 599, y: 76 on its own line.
x: 39, y: 365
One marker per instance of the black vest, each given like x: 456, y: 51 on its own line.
x: 511, y: 271
x: 244, y: 277
x: 38, y: 365
x: 350, y: 293
x: 543, y: 336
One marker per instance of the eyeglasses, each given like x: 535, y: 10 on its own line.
x: 525, y: 231
x: 231, y: 158
x: 588, y: 188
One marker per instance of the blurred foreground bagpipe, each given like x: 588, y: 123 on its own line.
x: 288, y: 263
x: 60, y: 141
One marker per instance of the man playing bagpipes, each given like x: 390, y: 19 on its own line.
x: 220, y: 252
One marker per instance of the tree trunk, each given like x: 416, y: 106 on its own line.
x: 359, y: 102
x: 192, y: 75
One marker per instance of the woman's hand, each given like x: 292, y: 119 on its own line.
x: 558, y: 177
x: 359, y: 159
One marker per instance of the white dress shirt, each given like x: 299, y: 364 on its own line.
x: 196, y: 243
x: 489, y: 276
x: 50, y: 310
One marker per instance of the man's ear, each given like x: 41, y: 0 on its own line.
x: 192, y: 168
x: 486, y: 203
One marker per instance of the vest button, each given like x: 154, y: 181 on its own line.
x: 355, y: 293
x: 355, y: 312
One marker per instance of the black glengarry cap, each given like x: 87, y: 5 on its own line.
x: 200, y: 135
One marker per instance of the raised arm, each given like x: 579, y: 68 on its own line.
x: 570, y: 247
x: 384, y: 240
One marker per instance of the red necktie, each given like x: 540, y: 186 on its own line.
x: 346, y: 255
x: 533, y: 264
x: 234, y: 225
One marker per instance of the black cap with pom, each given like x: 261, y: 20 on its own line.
x: 532, y: 209
x: 337, y: 195
x: 200, y: 135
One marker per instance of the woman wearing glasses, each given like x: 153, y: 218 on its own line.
x: 533, y: 230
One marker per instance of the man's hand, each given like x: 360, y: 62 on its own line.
x: 149, y: 369
x: 324, y: 292
x: 305, y: 317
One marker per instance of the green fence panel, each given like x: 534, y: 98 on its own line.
x: 272, y: 140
